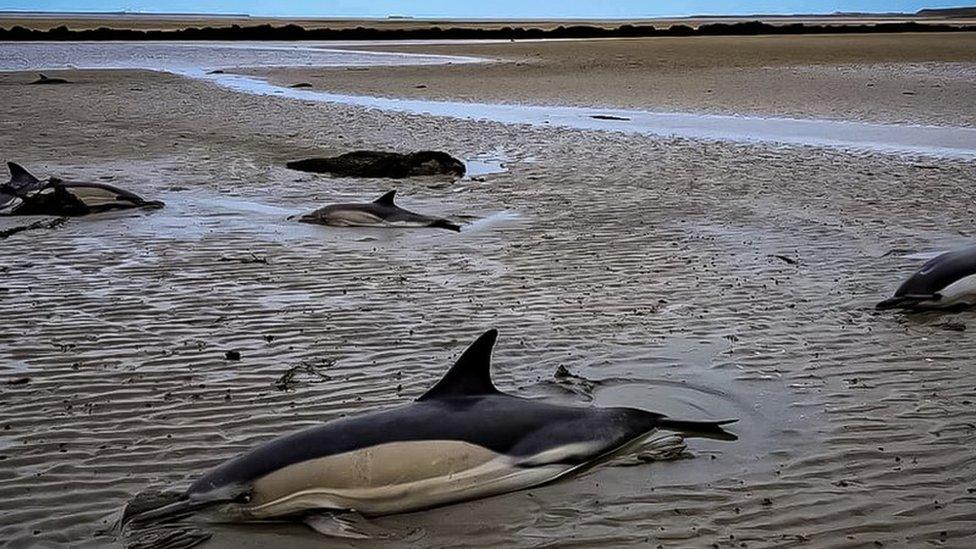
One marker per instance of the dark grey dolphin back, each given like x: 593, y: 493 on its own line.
x: 939, y: 272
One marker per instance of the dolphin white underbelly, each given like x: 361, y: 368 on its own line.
x: 959, y: 292
x: 354, y: 218
x: 395, y: 477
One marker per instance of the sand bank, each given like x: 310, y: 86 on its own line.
x: 921, y: 79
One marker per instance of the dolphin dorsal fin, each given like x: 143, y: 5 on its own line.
x: 471, y: 374
x: 19, y: 177
x: 386, y: 199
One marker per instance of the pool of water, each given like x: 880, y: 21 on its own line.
x: 939, y: 141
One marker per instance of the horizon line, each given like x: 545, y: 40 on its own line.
x: 394, y: 17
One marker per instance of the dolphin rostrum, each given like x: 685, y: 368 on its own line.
x: 462, y: 439
x: 382, y: 212
x: 944, y: 282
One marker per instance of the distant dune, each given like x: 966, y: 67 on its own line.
x: 77, y: 21
x: 948, y: 12
x: 18, y: 32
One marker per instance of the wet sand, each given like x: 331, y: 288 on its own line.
x: 650, y: 263
x: 892, y: 78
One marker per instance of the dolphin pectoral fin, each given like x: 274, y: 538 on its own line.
x: 660, y: 448
x: 342, y: 524
x: 348, y: 525
x: 663, y: 448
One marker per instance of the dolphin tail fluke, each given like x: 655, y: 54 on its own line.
x: 704, y: 429
x: 445, y: 224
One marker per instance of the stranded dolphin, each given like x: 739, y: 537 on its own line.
x: 28, y: 195
x: 463, y: 439
x: 381, y: 212
x: 943, y: 282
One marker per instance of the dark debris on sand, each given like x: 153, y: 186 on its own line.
x: 252, y: 258
x: 288, y: 380
x: 43, y: 224
x: 952, y: 326
x: 383, y: 164
x: 784, y: 258
x: 168, y: 536
x: 574, y: 383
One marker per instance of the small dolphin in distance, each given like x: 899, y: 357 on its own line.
x: 382, y: 212
x: 463, y: 439
x: 43, y: 80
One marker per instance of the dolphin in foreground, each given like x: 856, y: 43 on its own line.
x: 947, y: 281
x: 463, y: 439
x: 25, y: 194
x: 382, y: 212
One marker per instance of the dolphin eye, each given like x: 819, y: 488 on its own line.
x: 244, y: 497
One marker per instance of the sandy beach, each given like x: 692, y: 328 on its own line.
x: 695, y: 278
x: 915, y: 78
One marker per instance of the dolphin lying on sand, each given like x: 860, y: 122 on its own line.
x: 463, y: 439
x: 944, y: 282
x: 28, y: 195
x: 381, y: 212
x: 44, y: 80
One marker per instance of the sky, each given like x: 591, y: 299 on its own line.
x: 502, y: 9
